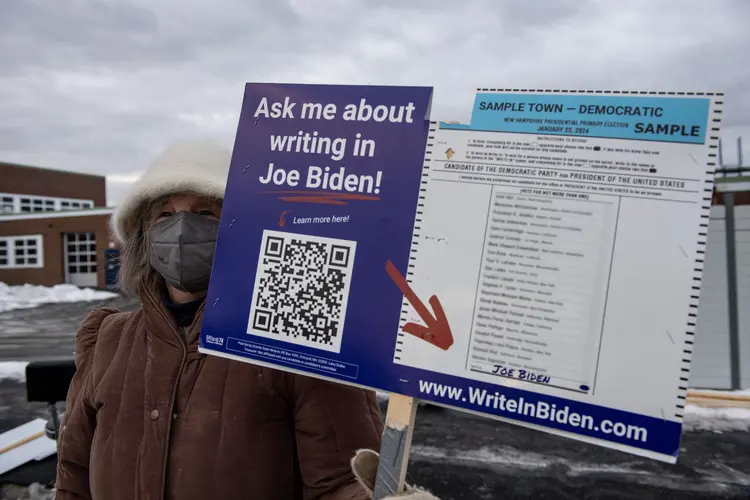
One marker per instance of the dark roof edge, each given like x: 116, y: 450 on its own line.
x: 51, y: 169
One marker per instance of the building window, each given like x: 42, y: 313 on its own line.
x: 80, y: 252
x: 7, y: 204
x: 19, y: 252
x: 10, y: 203
x: 75, y: 204
x: 26, y: 205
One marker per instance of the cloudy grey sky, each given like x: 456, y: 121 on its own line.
x: 103, y: 85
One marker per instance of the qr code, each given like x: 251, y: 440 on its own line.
x: 302, y: 289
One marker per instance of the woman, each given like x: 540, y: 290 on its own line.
x: 149, y: 418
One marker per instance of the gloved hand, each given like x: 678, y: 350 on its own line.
x: 365, y: 468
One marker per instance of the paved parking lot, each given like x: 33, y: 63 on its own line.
x: 47, y: 331
x: 456, y: 455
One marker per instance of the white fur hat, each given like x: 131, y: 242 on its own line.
x: 197, y: 166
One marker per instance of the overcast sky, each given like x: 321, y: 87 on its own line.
x: 103, y: 86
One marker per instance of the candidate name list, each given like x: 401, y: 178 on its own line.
x: 541, y: 263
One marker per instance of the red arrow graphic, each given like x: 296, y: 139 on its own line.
x: 438, y: 331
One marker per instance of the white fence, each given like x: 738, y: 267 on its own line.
x: 711, y: 367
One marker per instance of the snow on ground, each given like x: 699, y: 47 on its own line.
x: 34, y: 492
x: 511, y: 458
x: 13, y: 370
x: 26, y: 296
x: 700, y: 418
x: 499, y: 456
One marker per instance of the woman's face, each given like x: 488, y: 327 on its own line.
x: 189, y: 203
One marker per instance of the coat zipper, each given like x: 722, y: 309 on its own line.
x: 168, y: 416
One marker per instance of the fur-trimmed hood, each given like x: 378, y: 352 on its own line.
x: 197, y: 166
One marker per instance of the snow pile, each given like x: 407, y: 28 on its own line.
x: 13, y: 370
x: 35, y: 491
x: 26, y: 296
x: 701, y: 418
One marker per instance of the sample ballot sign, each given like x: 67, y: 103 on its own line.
x: 570, y: 258
x: 540, y: 265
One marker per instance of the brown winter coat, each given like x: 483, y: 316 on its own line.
x: 150, y: 418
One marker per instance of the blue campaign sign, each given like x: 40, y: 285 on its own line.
x: 544, y: 277
x: 322, y: 192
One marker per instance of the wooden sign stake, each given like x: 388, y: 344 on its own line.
x: 395, y: 446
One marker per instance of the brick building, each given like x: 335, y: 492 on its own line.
x: 53, y: 227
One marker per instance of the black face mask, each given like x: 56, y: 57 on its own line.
x: 182, y: 250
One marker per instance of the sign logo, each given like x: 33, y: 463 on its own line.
x: 214, y: 340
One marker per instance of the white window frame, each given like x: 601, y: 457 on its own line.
x: 6, y: 199
x: 10, y: 246
x: 57, y: 203
x: 91, y: 256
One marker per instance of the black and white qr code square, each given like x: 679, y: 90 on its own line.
x: 302, y: 289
